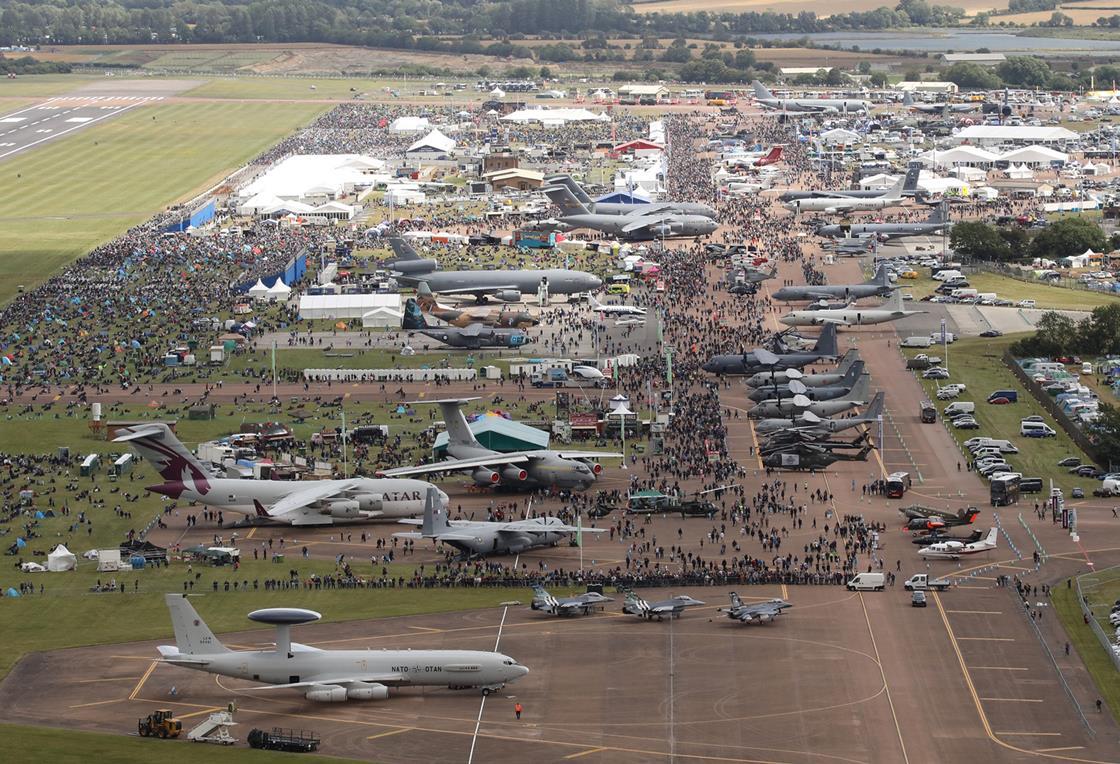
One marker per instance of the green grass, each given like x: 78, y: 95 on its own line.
x: 63, y: 746
x: 1083, y: 639
x: 35, y: 85
x: 295, y: 88
x: 976, y: 362
x: 342, y: 357
x: 210, y: 60
x: 60, y: 200
x: 1057, y: 298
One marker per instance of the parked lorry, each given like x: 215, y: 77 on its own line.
x: 922, y: 582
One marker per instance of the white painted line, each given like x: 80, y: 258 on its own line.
x: 63, y: 132
x: 80, y: 119
x: 13, y: 119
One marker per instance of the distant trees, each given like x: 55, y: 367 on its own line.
x: 1069, y: 237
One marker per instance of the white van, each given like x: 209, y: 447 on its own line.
x: 1086, y: 367
x: 916, y: 342
x: 1036, y: 430
x: 1004, y: 446
x: 959, y: 407
x: 947, y: 275
x: 868, y: 582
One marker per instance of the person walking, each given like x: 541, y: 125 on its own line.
x: 517, y: 709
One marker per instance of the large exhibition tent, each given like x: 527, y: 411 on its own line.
x: 554, y: 117
x: 334, y: 306
x: 1034, y: 156
x: 988, y: 135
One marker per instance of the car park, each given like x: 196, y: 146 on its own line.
x: 966, y: 423
x: 937, y: 372
x: 1086, y: 470
x: 999, y: 401
x: 1036, y: 430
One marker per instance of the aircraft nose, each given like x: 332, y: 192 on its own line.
x: 593, y: 282
x: 518, y: 671
x: 786, y: 320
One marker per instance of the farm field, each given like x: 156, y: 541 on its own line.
x: 67, y: 197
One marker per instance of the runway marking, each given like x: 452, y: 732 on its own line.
x: 985, y: 639
x: 251, y: 533
x: 1033, y: 734
x: 426, y: 628
x: 390, y: 733
x: 1066, y: 748
x: 64, y: 132
x: 1014, y: 700
x: 140, y: 685
x: 110, y: 679
x: 482, y: 705
x: 998, y: 668
x: 208, y: 710
x: 883, y: 674
x: 585, y: 753
x: 976, y: 612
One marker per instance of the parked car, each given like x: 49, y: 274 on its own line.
x: 991, y: 333
x: 1077, y: 493
x: 1069, y: 461
x: 918, y: 599
x: 966, y: 423
x: 937, y: 372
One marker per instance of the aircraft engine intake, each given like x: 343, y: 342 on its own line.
x: 367, y: 691
x: 369, y: 502
x: 514, y: 474
x: 485, y: 476
x: 596, y: 468
x: 508, y: 295
x: 345, y: 508
x: 326, y: 693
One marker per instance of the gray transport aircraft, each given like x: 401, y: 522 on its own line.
x: 909, y: 188
x: 807, y: 105
x: 328, y: 676
x: 809, y: 422
x: 879, y: 286
x: 818, y: 393
x: 851, y: 315
x: 939, y: 108
x: 615, y: 208
x: 580, y: 604
x: 759, y: 360
x: 508, y: 286
x: 656, y: 225
x: 938, y: 220
x: 318, y: 502
x: 798, y: 404
x: 522, y: 470
x: 767, y: 378
x: 760, y: 612
x: 672, y: 607
x: 476, y: 539
x: 472, y: 336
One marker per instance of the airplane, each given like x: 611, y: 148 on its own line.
x: 506, y: 286
x: 506, y: 319
x: 761, y: 612
x: 523, y: 470
x: 581, y: 604
x: 655, y: 225
x: 753, y: 275
x: 909, y: 188
x: 829, y: 205
x: 744, y: 188
x: 818, y: 393
x: 934, y: 537
x: 799, y: 404
x: 807, y: 105
x: 476, y: 539
x: 938, y: 108
x: 616, y: 208
x: 810, y: 422
x: 879, y: 286
x: 327, y: 676
x: 769, y: 378
x: 474, y: 336
x: 891, y: 310
x: 614, y: 310
x: 757, y: 360
x: 809, y: 457
x: 954, y: 550
x: 752, y: 158
x: 937, y: 221
x: 320, y: 502
x: 939, y: 520
x: 672, y: 607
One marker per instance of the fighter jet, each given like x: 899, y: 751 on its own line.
x: 581, y: 604
x: 794, y: 387
x: 476, y: 539
x: 672, y: 607
x: 909, y: 188
x: 614, y: 208
x: 522, y: 470
x: 656, y: 225
x: 319, y: 502
x: 937, y: 221
x: 508, y: 286
x: 767, y: 378
x: 760, y: 359
x: 474, y: 336
x: 807, y: 105
x: 614, y: 310
x: 891, y: 310
x: 811, y: 423
x: 505, y: 319
x: 879, y: 286
x: 892, y: 197
x: 761, y: 612
x: 954, y: 550
x: 328, y: 676
x: 799, y: 404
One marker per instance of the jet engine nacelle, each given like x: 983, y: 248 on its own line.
x: 508, y: 295
x: 369, y: 502
x: 484, y: 476
x: 514, y: 474
x: 330, y: 693
x: 345, y: 508
x: 367, y: 691
x: 414, y: 266
x: 666, y: 229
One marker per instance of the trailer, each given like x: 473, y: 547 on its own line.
x: 279, y: 739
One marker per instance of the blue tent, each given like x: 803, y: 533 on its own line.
x: 12, y: 592
x: 20, y: 543
x: 39, y: 515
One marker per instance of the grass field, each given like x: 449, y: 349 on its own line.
x: 62, y: 199
x: 820, y: 7
x: 1057, y: 298
x: 976, y: 363
x: 281, y: 88
x: 70, y: 747
x: 360, y: 358
x: 33, y: 85
x: 1083, y: 639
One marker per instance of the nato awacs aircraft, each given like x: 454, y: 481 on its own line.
x: 580, y: 604
x: 879, y: 286
x: 672, y: 607
x: 616, y: 208
x: 851, y: 315
x: 473, y: 336
x: 760, y: 612
x: 475, y: 539
x: 523, y: 470
x: 320, y: 502
x: 807, y: 105
x: 464, y: 318
x: 508, y: 286
x: 328, y: 676
x: 937, y: 221
x: 909, y: 188
x: 760, y: 359
x: 656, y: 225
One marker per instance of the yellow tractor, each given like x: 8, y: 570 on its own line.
x: 160, y: 724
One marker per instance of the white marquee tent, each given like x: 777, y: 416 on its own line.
x: 61, y: 559
x: 334, y: 306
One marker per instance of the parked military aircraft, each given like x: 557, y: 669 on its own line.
x: 760, y: 612
x: 764, y: 378
x: 474, y: 336
x: 892, y: 197
x: 891, y: 310
x: 501, y: 318
x: 614, y: 310
x: 809, y: 457
x: 909, y: 188
x: 320, y: 502
x: 938, y: 520
x: 475, y: 539
x: 580, y: 604
x: 807, y: 105
x: 939, y: 108
x: 935, y: 537
x: 811, y: 423
x: 938, y: 220
x: 752, y: 158
x: 328, y: 676
x: 794, y: 387
x: 656, y: 225
x: 524, y: 470
x: 760, y: 359
x: 879, y: 286
x: 672, y: 607
x: 616, y: 208
x: 507, y: 286
x: 954, y: 550
x: 799, y: 404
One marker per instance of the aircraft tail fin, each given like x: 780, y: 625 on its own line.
x: 435, y: 517
x: 413, y: 318
x: 875, y: 409
x: 563, y: 198
x: 895, y: 191
x: 910, y: 182
x: 826, y: 343
x: 939, y: 215
x: 172, y: 460
x: 192, y: 635
x: 574, y: 187
x: 775, y: 155
x: 894, y: 302
x: 851, y: 376
x: 882, y: 277
x: 846, y: 362
x: 735, y: 601
x: 458, y: 431
x: 908, y: 99
x: 760, y: 90
x: 424, y: 297
x: 991, y: 539
x: 402, y: 249
x: 861, y: 388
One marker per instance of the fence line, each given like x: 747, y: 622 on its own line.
x: 1106, y: 643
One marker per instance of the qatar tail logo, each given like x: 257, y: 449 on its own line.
x: 174, y: 466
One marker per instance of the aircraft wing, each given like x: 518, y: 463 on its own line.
x: 304, y: 498
x: 472, y: 330
x: 833, y: 320
x: 478, y: 289
x: 454, y: 465
x: 532, y: 526
x: 378, y: 678
x: 645, y: 222
x: 588, y: 455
